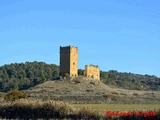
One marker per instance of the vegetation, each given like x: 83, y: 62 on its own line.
x: 118, y: 107
x: 24, y: 75
x: 15, y: 95
x: 130, y: 80
x: 21, y: 76
x: 77, y: 81
x: 110, y: 96
x: 24, y: 109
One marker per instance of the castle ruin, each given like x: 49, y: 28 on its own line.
x: 92, y: 71
x: 69, y: 64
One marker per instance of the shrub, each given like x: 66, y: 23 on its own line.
x: 135, y: 94
x: 88, y: 113
x: 93, y: 83
x: 1, y: 95
x: 123, y: 94
x: 35, y: 110
x: 14, y: 95
x: 112, y: 97
x: 66, y: 75
x: 114, y: 93
x: 89, y: 90
x: 77, y: 81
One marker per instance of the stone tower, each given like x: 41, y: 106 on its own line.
x: 92, y: 71
x: 69, y: 61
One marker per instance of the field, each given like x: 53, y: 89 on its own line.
x: 118, y: 107
x: 26, y: 109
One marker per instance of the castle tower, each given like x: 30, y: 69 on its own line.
x: 69, y: 60
x: 92, y: 71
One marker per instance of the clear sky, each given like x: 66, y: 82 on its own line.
x: 122, y: 35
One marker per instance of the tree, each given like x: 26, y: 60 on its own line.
x: 80, y: 72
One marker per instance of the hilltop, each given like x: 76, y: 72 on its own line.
x: 83, y: 90
x: 41, y: 81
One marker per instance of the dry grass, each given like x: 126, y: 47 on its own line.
x: 112, y: 97
x: 24, y: 109
x: 35, y: 109
x: 118, y: 107
x: 89, y: 113
x: 89, y: 91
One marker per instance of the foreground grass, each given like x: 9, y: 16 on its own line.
x: 118, y: 107
x: 25, y: 109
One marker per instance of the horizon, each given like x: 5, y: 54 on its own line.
x: 115, y: 35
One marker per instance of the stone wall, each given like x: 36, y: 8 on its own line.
x: 92, y: 71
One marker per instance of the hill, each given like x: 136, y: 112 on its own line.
x: 25, y: 75
x: 83, y: 90
x: 130, y: 81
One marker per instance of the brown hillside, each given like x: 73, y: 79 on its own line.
x: 83, y: 90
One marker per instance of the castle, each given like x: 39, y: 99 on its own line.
x: 69, y: 64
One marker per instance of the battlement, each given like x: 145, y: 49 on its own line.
x: 91, y: 65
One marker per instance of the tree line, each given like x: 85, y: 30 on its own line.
x: 130, y: 80
x: 24, y: 75
x: 21, y: 76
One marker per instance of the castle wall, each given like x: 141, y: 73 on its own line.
x: 92, y: 71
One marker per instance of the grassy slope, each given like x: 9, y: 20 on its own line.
x: 80, y: 90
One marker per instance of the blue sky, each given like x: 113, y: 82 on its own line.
x: 122, y: 35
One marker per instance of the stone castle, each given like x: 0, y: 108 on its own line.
x: 69, y: 64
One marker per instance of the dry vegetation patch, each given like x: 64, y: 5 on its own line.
x: 83, y: 90
x: 24, y: 109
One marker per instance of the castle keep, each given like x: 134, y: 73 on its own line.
x: 92, y: 71
x: 69, y: 60
x: 69, y: 64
